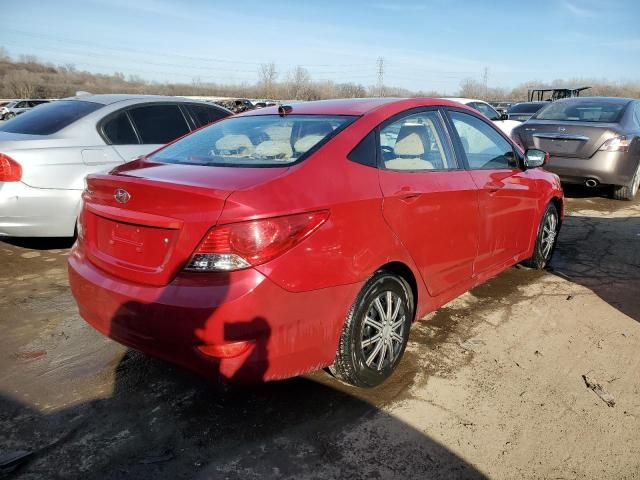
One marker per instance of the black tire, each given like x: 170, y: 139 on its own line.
x: 627, y: 192
x: 357, y: 364
x: 9, y: 116
x: 542, y: 252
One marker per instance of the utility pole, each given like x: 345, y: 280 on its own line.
x: 380, y: 77
x: 485, y: 80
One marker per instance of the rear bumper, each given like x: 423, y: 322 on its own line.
x: 37, y: 212
x: 609, y: 168
x: 290, y: 333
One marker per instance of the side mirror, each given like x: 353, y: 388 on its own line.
x: 504, y: 116
x: 534, y: 158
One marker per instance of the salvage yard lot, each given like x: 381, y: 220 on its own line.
x: 491, y: 385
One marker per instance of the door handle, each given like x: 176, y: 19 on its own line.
x: 493, y: 187
x: 409, y: 196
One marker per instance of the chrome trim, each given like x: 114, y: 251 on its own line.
x: 561, y: 136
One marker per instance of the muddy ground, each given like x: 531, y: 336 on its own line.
x: 491, y: 384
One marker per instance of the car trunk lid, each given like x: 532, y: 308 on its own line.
x: 143, y: 224
x: 567, y: 139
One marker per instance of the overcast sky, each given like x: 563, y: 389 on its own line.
x: 426, y: 45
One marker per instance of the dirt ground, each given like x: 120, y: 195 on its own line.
x: 491, y: 385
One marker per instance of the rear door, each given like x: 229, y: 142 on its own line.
x: 430, y: 201
x: 507, y: 194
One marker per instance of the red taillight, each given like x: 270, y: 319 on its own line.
x: 10, y: 170
x: 246, y: 244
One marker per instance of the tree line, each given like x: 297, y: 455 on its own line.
x: 28, y: 77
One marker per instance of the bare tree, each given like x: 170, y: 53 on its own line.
x: 470, y: 88
x: 20, y: 83
x: 4, y: 55
x: 267, y: 76
x: 298, y: 84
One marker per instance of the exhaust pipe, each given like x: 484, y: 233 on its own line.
x: 591, y: 182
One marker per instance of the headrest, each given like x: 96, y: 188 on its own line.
x: 234, y: 143
x: 408, y: 164
x: 307, y: 142
x: 409, y: 146
x: 314, y: 128
x: 274, y: 149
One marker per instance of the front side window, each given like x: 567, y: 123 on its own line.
x: 583, y: 111
x: 50, y: 117
x: 415, y: 142
x: 483, y: 146
x: 158, y: 124
x: 487, y: 111
x: 259, y: 140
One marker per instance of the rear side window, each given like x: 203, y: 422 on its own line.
x: 261, y: 140
x: 50, y: 118
x: 365, y: 152
x: 415, y: 142
x: 119, y: 130
x: 205, y: 114
x: 157, y: 124
x: 483, y: 146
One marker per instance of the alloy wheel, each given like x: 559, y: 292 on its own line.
x: 549, y: 233
x: 383, y: 331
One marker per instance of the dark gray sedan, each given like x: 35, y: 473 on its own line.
x: 592, y: 141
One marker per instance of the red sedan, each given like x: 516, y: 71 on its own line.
x: 293, y: 238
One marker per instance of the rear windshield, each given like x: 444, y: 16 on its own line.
x: 527, y: 107
x: 583, y: 111
x: 254, y: 140
x: 50, y: 117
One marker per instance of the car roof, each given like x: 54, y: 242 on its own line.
x: 463, y: 100
x: 350, y: 106
x: 109, y: 98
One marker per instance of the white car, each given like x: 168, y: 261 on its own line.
x: 45, y: 153
x: 491, y: 113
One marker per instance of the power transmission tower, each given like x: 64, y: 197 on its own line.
x: 485, y: 80
x: 380, y: 77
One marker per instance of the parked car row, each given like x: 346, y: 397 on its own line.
x: 592, y: 141
x: 16, y: 107
x: 210, y: 251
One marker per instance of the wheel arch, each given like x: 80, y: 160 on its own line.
x: 404, y: 271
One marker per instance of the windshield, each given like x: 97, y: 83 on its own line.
x: 583, y: 111
x: 49, y: 118
x: 254, y: 140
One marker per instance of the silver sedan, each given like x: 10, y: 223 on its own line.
x: 46, y: 153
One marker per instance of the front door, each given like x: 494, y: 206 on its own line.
x: 507, y: 195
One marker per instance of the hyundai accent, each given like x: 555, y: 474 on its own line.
x: 294, y: 238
